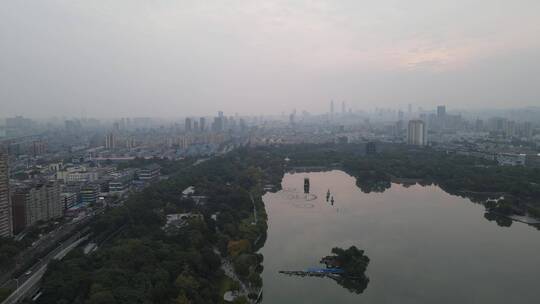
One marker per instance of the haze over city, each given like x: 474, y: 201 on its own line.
x: 176, y: 58
x: 269, y: 152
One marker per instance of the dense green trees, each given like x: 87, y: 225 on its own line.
x: 142, y: 263
x: 8, y: 249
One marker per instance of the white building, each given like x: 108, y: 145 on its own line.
x: 417, y: 133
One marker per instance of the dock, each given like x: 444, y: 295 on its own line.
x: 314, y: 272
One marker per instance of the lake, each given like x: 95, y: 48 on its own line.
x: 425, y: 245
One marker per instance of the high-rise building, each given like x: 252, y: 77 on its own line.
x: 417, y: 133
x: 526, y: 130
x: 291, y: 119
x: 188, y: 125
x: 343, y: 108
x: 441, y: 111
x: 479, y: 125
x: 332, y: 109
x: 36, y: 201
x: 110, y: 141
x: 39, y: 147
x: 130, y: 142
x: 6, y: 226
x: 243, y: 125
x: 510, y: 128
x: 202, y: 124
x: 219, y: 123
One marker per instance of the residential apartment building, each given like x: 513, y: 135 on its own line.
x: 36, y: 201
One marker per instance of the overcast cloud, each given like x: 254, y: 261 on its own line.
x: 175, y: 58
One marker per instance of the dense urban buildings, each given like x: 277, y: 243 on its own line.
x: 60, y: 177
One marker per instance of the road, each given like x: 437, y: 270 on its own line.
x: 29, y: 282
x: 40, y: 246
x: 254, y: 209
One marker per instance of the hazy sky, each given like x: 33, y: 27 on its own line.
x: 176, y: 58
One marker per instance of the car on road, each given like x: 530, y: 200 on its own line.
x: 29, y: 272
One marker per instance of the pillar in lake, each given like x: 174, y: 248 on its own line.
x: 306, y: 185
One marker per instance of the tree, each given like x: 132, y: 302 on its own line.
x: 102, y: 297
x: 186, y: 282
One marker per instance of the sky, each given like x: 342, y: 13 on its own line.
x: 115, y: 58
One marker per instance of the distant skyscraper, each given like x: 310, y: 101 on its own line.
x: 130, y: 142
x: 243, y: 125
x: 510, y: 128
x: 188, y: 125
x: 218, y: 124
x: 291, y: 118
x: 441, y: 111
x: 410, y: 109
x: 6, y: 226
x: 479, y: 125
x: 332, y: 109
x: 202, y: 124
x: 343, y: 108
x: 110, y: 141
x: 417, y: 133
x: 39, y: 147
x: 400, y: 115
x: 526, y: 130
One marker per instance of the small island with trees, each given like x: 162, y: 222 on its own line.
x: 345, y: 266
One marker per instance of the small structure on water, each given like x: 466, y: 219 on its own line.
x: 306, y: 185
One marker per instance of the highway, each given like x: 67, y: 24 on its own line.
x: 39, y: 247
x: 29, y: 281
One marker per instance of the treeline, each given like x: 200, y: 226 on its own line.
x: 168, y: 166
x: 475, y: 178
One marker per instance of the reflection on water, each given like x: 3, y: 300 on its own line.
x: 425, y: 245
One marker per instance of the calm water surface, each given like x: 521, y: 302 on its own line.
x: 425, y: 245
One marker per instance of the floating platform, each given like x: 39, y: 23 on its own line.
x: 314, y: 272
